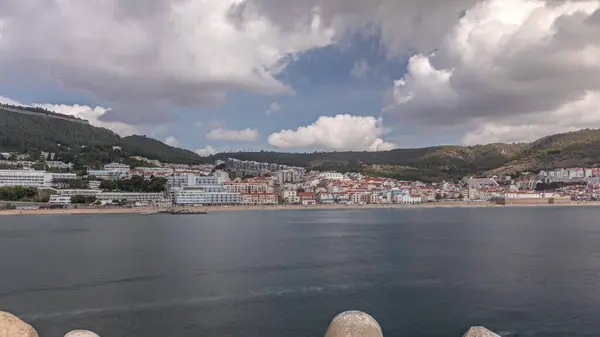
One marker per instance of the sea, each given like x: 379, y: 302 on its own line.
x: 519, y: 271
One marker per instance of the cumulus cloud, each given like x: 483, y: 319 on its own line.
x: 206, y: 151
x: 342, y: 132
x: 172, y: 141
x: 160, y: 53
x: 510, y: 70
x: 245, y: 135
x: 273, y: 108
x: 496, y: 68
x: 92, y: 115
x: 360, y: 69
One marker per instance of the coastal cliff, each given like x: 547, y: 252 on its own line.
x: 347, y: 324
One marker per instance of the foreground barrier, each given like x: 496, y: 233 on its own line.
x: 347, y: 324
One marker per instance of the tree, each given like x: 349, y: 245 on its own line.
x: 438, y: 196
x: 461, y: 197
x: 109, y: 185
x: 83, y: 199
x: 18, y: 193
x: 38, y: 166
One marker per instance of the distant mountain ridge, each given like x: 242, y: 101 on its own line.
x: 93, y: 146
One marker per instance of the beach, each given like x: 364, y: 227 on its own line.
x: 209, y: 209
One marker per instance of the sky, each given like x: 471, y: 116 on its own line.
x: 311, y: 75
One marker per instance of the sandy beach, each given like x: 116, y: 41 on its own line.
x: 209, y: 209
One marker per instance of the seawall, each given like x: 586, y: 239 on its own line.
x: 347, y: 324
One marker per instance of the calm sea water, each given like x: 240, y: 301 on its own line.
x: 422, y: 272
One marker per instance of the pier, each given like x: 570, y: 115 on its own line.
x: 347, y: 324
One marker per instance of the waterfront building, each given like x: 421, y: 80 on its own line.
x: 289, y: 196
x: 307, y: 198
x: 247, y: 187
x: 29, y: 178
x: 259, y: 199
x: 73, y: 192
x: 59, y: 200
x: 130, y: 197
x: 204, y: 196
x: 193, y: 189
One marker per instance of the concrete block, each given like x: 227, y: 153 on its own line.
x: 353, y: 324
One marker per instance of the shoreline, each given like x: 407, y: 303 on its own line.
x: 209, y: 209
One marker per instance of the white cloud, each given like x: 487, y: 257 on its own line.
x: 156, y: 52
x: 6, y: 100
x: 342, y: 132
x: 207, y: 151
x: 172, y: 141
x: 273, y: 108
x: 509, y: 70
x: 360, y: 69
x: 245, y: 135
x: 497, y: 63
x: 92, y: 115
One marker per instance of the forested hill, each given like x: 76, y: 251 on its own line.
x: 85, y: 144
x: 48, y: 131
x: 572, y: 149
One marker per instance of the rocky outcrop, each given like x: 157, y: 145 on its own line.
x: 12, y: 326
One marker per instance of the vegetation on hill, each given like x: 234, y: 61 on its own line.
x: 135, y: 184
x: 80, y: 143
x: 21, y: 133
x: 38, y: 110
x: 89, y: 146
x: 24, y: 194
x: 579, y: 148
x: 153, y: 149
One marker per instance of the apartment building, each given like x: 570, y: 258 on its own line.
x: 200, y: 195
x: 30, y: 178
x: 259, y: 199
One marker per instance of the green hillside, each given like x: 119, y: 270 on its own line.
x: 23, y: 132
x: 579, y: 148
x: 85, y: 145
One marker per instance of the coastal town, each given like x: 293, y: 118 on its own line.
x: 234, y: 182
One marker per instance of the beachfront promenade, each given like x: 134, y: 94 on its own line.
x: 346, y: 324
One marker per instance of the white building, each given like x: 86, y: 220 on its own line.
x: 117, y: 167
x: 59, y: 165
x: 30, y: 178
x: 200, y: 195
x: 192, y: 189
x: 259, y: 199
x: 288, y: 176
x: 49, y: 177
x: 290, y: 196
x: 331, y: 175
x: 59, y: 200
x: 131, y: 197
x: 104, y: 174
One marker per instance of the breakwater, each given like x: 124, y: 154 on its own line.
x: 347, y: 324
